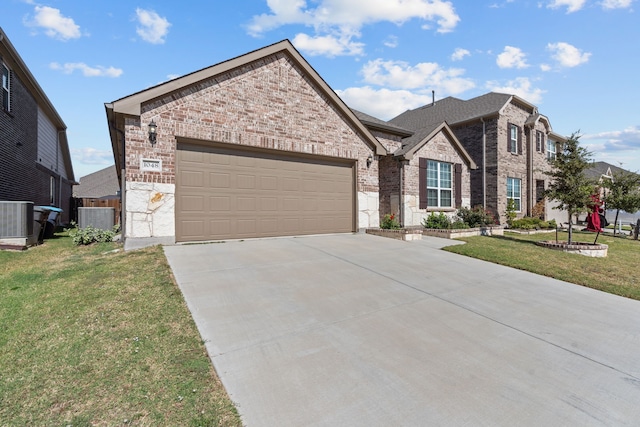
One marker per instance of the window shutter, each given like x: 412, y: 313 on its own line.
x: 519, y: 139
x: 544, y: 143
x: 422, y: 186
x: 508, y: 137
x: 457, y: 180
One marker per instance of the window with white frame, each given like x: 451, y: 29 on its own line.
x: 6, y: 88
x: 513, y: 139
x: 439, y: 184
x: 551, y: 150
x: 513, y: 192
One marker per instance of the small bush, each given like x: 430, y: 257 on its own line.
x: 389, y: 222
x: 88, y: 235
x: 476, y: 217
x: 439, y: 221
x: 459, y: 225
x: 530, y: 223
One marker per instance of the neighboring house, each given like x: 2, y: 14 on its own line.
x: 509, y: 141
x: 255, y: 146
x: 427, y: 171
x: 99, y: 189
x: 35, y: 163
x: 603, y: 170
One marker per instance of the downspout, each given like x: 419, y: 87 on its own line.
x: 484, y: 163
x: 57, y: 166
x: 401, y: 199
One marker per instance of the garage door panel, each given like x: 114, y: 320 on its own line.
x: 219, y: 180
x: 259, y: 194
x: 220, y: 203
x: 246, y: 204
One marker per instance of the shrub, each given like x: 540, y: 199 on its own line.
x: 476, y: 217
x: 389, y: 222
x: 459, y: 225
x: 439, y: 221
x: 88, y: 235
x: 532, y: 223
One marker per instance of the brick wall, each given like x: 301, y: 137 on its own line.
x: 528, y: 165
x: 269, y: 103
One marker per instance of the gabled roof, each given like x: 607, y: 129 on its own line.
x: 131, y: 105
x: 377, y: 124
x: 423, y: 135
x: 603, y: 169
x: 10, y: 56
x: 456, y: 111
x: 103, y: 183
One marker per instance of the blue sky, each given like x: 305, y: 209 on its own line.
x: 577, y: 60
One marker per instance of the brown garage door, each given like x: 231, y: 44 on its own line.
x: 227, y: 193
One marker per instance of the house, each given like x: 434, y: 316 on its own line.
x: 509, y: 141
x: 255, y: 146
x: 35, y: 163
x: 261, y: 146
x: 427, y: 170
x: 98, y: 189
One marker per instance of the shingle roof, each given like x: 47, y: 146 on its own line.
x: 374, y: 122
x: 452, y: 110
x: 103, y: 183
x: 598, y: 169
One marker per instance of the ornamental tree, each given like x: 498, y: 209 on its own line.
x: 569, y: 186
x: 623, y: 193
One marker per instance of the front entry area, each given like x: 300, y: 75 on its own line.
x: 226, y: 192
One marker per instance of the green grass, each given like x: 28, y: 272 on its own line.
x: 615, y: 274
x: 94, y: 337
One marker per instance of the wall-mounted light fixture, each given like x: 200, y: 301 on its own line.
x: 369, y: 160
x: 153, y: 127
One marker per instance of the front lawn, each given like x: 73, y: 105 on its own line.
x: 617, y: 273
x: 89, y: 336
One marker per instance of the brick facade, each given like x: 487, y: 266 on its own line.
x: 266, y: 104
x: 269, y: 103
x: 528, y: 165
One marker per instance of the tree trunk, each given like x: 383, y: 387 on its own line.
x: 637, y: 230
x: 570, y: 229
x: 615, y: 223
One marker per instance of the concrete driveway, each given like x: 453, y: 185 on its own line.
x: 358, y: 330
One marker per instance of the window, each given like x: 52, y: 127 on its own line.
x: 539, y: 142
x: 513, y: 192
x: 551, y: 150
x: 439, y: 184
x: 513, y: 139
x: 6, y: 88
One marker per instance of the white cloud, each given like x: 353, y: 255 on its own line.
x: 327, y: 45
x: 342, y: 20
x: 567, y: 55
x: 512, y: 57
x: 521, y: 86
x: 87, y: 71
x: 92, y: 156
x: 459, y: 54
x: 54, y: 23
x: 620, y: 140
x: 545, y: 67
x: 382, y: 103
x: 426, y: 75
x: 571, y: 5
x: 153, y: 28
x: 616, y: 4
x: 391, y: 41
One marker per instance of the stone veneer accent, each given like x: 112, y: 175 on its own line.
x: 270, y: 104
